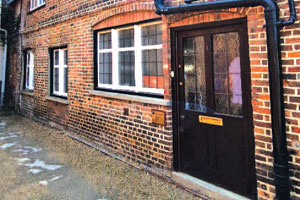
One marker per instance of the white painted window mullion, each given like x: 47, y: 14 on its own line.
x: 30, y: 84
x: 31, y: 77
x: 98, y: 60
x: 61, y: 72
x: 27, y: 70
x: 115, y: 58
x: 138, y: 58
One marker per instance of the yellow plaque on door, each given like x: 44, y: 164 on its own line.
x: 211, y: 120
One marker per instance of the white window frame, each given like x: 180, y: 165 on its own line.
x: 137, y: 48
x: 34, y: 4
x: 61, y: 66
x: 29, y: 85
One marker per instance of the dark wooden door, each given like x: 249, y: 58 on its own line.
x: 213, y: 111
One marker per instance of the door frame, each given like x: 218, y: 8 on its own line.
x: 174, y: 83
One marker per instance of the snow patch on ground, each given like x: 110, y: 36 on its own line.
x: 35, y: 171
x: 14, y: 133
x: 22, y: 160
x: 43, y: 182
x: 8, y: 137
x: 24, y: 152
x: 41, y: 164
x: 55, y: 178
x: 33, y: 150
x: 8, y: 145
x: 18, y: 150
x: 28, y: 149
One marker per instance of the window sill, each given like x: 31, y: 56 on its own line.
x: 27, y: 92
x: 58, y: 100
x: 128, y: 97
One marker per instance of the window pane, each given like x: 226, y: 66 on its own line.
x: 227, y: 74
x: 27, y: 76
x: 66, y: 80
x: 105, y: 41
x: 28, y: 58
x: 126, y: 68
x: 151, y: 35
x: 152, y: 68
x: 105, y: 68
x: 56, y: 58
x: 56, y: 79
x: 65, y: 57
x: 194, y: 73
x: 126, y: 38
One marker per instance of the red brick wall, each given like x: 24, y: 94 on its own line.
x: 98, y: 119
x: 102, y: 120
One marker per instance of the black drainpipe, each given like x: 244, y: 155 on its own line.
x: 280, y: 152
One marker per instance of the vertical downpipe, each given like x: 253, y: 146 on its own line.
x: 281, y: 171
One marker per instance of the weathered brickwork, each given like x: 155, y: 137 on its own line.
x: 124, y: 126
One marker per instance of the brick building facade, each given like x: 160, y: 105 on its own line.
x: 121, y: 120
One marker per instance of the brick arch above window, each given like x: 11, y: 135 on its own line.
x: 125, y: 18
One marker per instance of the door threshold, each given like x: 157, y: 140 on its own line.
x: 210, y: 190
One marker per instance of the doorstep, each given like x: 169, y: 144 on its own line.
x: 202, y: 187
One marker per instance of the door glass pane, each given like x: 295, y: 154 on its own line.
x: 227, y: 74
x: 194, y: 73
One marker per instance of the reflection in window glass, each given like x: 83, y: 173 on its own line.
x: 105, y: 41
x: 227, y: 74
x: 126, y: 38
x: 105, y: 68
x: 56, y: 58
x: 194, y: 73
x: 151, y: 35
x: 56, y: 79
x: 126, y: 68
x: 153, y: 68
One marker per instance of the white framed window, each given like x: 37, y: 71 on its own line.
x: 36, y: 3
x: 130, y: 59
x: 60, y: 72
x: 29, y: 71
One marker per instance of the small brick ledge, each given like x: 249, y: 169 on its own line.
x: 26, y: 92
x: 58, y: 100
x: 135, y: 98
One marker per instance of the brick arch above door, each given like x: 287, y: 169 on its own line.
x: 206, y: 16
